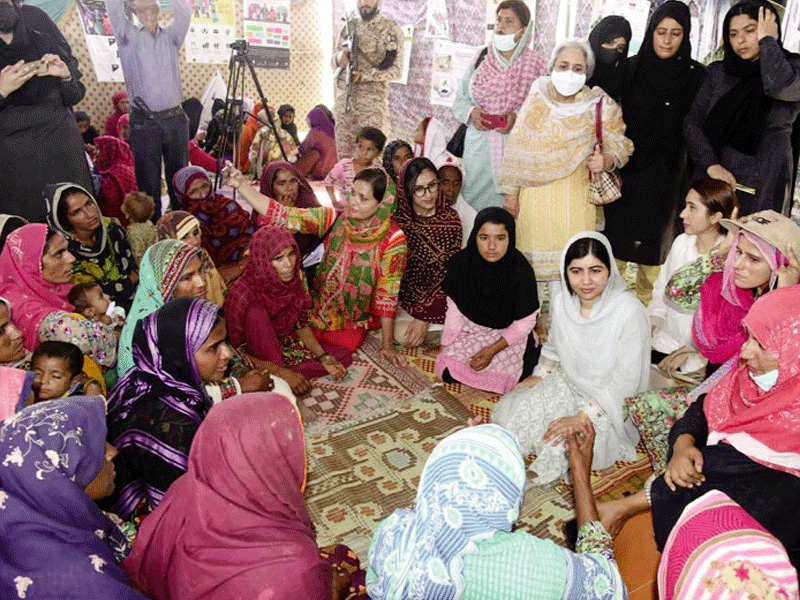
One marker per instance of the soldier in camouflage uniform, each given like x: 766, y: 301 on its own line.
x: 377, y: 61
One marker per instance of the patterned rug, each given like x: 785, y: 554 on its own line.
x: 362, y: 469
x: 371, y: 384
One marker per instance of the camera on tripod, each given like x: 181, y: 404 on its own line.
x: 239, y: 46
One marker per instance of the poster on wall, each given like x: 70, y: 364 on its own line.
x: 100, y: 40
x: 437, y: 25
x: 268, y: 31
x: 408, y: 39
x: 210, y: 32
x: 450, y: 62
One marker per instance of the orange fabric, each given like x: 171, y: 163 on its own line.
x: 249, y: 130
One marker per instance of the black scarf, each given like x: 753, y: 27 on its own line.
x: 738, y: 119
x: 492, y: 294
x: 654, y: 82
x: 609, y: 73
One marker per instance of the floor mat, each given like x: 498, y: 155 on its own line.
x: 362, y: 469
x: 371, y: 384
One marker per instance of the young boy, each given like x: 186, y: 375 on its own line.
x: 369, y: 145
x: 138, y: 207
x: 57, y: 368
x: 91, y: 302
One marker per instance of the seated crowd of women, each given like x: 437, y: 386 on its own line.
x: 189, y: 482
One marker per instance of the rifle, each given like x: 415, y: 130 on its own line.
x: 350, y: 44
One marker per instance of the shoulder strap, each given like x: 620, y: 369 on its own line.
x: 481, y: 56
x: 598, y: 122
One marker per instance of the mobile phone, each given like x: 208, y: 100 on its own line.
x: 496, y: 121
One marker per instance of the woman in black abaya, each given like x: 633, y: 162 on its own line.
x: 610, y: 40
x: 39, y: 138
x: 659, y: 88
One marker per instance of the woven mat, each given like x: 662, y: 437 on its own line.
x: 362, y: 469
x: 371, y: 384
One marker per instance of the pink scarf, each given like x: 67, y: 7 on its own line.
x: 716, y: 550
x: 498, y: 87
x: 716, y: 329
x: 235, y: 525
x: 21, y: 282
x: 737, y: 404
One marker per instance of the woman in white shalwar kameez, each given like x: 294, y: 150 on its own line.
x: 589, y: 365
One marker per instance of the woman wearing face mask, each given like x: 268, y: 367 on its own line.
x: 552, y: 152
x: 488, y: 99
x: 610, y: 40
x: 740, y: 124
x: 661, y: 84
x: 741, y: 438
x: 595, y: 356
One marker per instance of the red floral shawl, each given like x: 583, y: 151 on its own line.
x: 115, y: 165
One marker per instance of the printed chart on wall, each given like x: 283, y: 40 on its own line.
x: 211, y: 31
x: 450, y: 62
x: 100, y: 40
x: 268, y: 31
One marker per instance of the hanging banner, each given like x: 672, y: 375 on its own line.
x: 408, y: 40
x: 450, y: 62
x: 437, y: 25
x: 100, y: 40
x: 210, y: 32
x: 267, y: 29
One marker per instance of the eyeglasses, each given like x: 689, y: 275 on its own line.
x: 422, y: 190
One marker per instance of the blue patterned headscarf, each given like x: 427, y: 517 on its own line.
x: 57, y: 543
x: 471, y: 487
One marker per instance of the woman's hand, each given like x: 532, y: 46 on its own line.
x: 297, y: 381
x: 415, y: 333
x: 12, y: 77
x: 721, y: 173
x: 673, y: 361
x: 256, y: 381
x: 580, y: 446
x: 55, y: 67
x: 92, y: 388
x: 332, y: 365
x: 481, y: 359
x: 232, y: 176
x: 511, y: 118
x: 477, y: 119
x: 767, y: 24
x: 727, y: 243
x: 511, y: 204
x: 686, y: 466
x: 596, y: 161
x: 566, y: 426
x: 529, y: 381
x: 393, y: 356
x: 789, y: 274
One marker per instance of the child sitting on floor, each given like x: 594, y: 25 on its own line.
x: 92, y: 303
x: 369, y: 145
x: 57, y: 368
x: 138, y: 208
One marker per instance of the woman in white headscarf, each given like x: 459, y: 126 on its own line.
x: 596, y: 355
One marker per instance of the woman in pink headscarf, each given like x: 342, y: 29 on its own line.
x: 741, y: 438
x: 124, y: 128
x: 114, y: 164
x: 317, y: 153
x: 267, y: 310
x: 35, y: 278
x: 236, y: 524
x: 120, y: 100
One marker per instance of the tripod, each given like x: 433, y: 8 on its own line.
x: 234, y: 115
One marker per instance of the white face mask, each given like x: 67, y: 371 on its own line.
x: 766, y: 381
x: 568, y: 83
x: 503, y: 42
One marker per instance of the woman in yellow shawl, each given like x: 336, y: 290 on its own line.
x: 550, y: 153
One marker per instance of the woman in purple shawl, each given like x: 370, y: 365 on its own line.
x: 318, y: 150
x: 156, y: 408
x: 57, y: 542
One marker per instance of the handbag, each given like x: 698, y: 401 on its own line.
x: 606, y: 186
x: 456, y: 144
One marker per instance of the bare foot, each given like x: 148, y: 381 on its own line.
x: 612, y: 515
x: 476, y: 420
